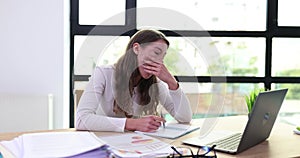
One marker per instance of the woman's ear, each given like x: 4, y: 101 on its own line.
x: 136, y: 48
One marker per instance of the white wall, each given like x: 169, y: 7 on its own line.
x: 32, y: 51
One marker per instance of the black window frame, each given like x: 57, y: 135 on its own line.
x: 272, y: 30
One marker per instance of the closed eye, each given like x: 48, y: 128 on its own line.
x: 157, y: 51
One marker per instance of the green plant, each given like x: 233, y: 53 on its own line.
x: 250, y: 99
x: 298, y: 128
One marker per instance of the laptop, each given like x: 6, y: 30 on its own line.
x: 257, y: 130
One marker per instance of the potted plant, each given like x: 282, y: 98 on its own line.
x: 251, y: 98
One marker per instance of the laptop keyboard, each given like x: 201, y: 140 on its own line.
x: 228, y: 143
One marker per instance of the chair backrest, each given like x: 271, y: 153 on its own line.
x: 77, y: 95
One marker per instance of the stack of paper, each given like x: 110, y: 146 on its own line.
x: 133, y: 145
x: 56, y: 144
x: 85, y: 145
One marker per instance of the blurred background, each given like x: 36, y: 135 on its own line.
x: 220, y: 50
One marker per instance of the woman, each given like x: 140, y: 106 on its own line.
x: 125, y: 96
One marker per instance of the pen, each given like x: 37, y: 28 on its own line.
x: 162, y: 116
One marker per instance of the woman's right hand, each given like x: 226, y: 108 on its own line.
x: 144, y: 124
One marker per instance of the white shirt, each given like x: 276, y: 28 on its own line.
x: 95, y: 108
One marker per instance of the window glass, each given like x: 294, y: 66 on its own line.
x: 202, y: 14
x: 99, y: 12
x: 203, y: 56
x: 290, y: 109
x: 80, y: 85
x: 184, y: 58
x: 241, y: 56
x: 288, y: 13
x: 97, y: 50
x: 285, y: 57
x: 231, y: 96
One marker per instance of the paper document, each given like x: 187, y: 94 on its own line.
x: 137, y: 145
x: 172, y: 130
x: 52, y: 144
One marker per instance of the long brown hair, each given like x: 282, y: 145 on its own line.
x: 126, y: 72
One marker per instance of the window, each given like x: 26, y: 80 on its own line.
x: 97, y: 12
x: 220, y: 50
x: 209, y: 14
x: 286, y: 55
x: 90, y: 51
x: 288, y: 12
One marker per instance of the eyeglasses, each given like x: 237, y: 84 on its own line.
x: 203, y: 152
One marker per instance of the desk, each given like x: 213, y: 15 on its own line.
x: 281, y: 143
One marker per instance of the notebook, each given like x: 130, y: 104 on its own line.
x: 258, y: 128
x: 172, y: 130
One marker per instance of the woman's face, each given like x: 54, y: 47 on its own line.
x: 148, y: 53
